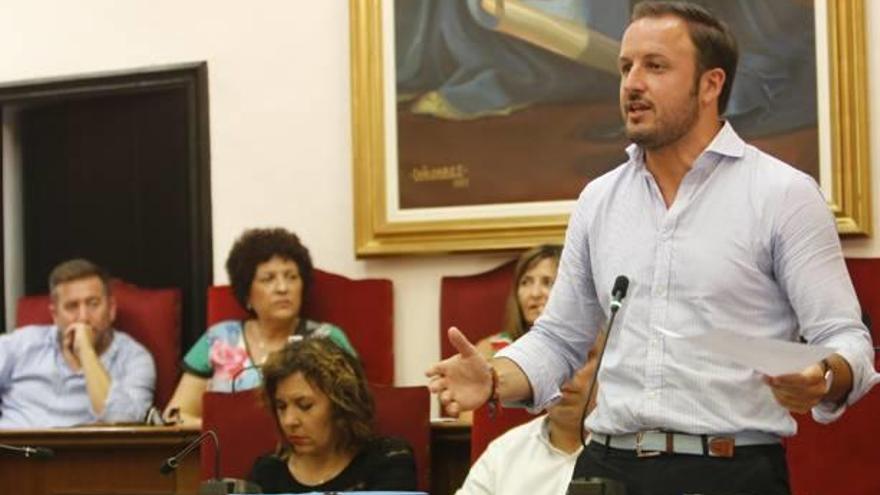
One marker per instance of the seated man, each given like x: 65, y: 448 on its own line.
x: 538, y: 457
x: 79, y: 370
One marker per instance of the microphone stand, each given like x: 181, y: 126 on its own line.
x: 595, y: 485
x: 215, y: 485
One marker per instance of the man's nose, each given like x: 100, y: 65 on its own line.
x: 82, y: 313
x: 632, y: 81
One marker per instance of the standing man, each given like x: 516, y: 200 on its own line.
x: 79, y: 370
x: 713, y: 234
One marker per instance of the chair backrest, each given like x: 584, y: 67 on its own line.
x: 841, y: 457
x: 484, y: 428
x: 474, y: 303
x: 150, y: 316
x: 364, y: 309
x: 245, y: 428
x: 405, y: 412
x: 865, y: 275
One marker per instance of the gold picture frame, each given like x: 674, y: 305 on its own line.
x: 379, y: 233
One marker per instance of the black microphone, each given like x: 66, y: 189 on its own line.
x: 600, y: 486
x: 215, y: 485
x: 618, y: 292
x: 172, y: 462
x: 25, y: 451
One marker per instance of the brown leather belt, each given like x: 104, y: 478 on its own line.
x: 652, y: 443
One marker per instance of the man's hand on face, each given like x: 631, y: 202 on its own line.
x: 799, y: 392
x: 82, y: 338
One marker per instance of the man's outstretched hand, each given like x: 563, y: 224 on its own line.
x: 464, y: 381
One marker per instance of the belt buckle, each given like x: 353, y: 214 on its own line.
x: 640, y: 436
x: 721, y: 446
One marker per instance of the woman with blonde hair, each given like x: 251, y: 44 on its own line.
x: 533, y: 278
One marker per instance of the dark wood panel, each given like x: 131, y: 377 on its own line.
x: 100, y: 461
x: 119, y: 164
x: 450, y: 456
x: 106, y: 179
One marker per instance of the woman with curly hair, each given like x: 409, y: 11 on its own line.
x: 270, y: 272
x: 324, y: 411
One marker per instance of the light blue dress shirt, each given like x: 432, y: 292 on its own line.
x: 749, y: 245
x: 39, y: 390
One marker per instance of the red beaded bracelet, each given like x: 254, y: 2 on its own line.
x: 493, y: 393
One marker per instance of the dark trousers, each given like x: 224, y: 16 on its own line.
x: 753, y: 470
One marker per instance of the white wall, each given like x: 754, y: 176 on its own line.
x: 280, y: 123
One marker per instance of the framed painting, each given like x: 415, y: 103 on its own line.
x: 476, y: 123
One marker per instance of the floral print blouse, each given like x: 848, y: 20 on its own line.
x: 221, y: 354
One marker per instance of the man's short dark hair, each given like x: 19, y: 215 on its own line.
x: 77, y: 269
x: 715, y: 44
x: 257, y: 246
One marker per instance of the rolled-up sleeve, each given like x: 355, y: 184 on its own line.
x: 809, y: 264
x: 569, y: 324
x: 132, y: 382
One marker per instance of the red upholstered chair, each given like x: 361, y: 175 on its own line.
x: 865, y: 274
x: 842, y: 457
x: 474, y: 304
x: 244, y: 427
x: 151, y: 316
x: 405, y: 412
x: 363, y: 308
x: 485, y: 429
x: 247, y: 430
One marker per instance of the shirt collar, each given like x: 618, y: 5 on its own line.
x: 544, y: 437
x: 726, y: 143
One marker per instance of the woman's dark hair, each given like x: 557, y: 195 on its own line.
x: 333, y: 371
x: 256, y: 246
x: 715, y: 44
x: 515, y: 323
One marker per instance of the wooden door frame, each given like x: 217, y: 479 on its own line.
x: 193, y: 78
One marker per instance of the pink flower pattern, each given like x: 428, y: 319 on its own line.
x: 227, y: 360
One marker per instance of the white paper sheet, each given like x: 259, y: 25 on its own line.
x: 769, y: 356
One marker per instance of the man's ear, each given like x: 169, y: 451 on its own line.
x: 112, y: 302
x: 711, y: 85
x: 53, y: 310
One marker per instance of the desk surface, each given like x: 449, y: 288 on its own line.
x: 114, y: 433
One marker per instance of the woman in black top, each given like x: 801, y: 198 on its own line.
x: 319, y: 396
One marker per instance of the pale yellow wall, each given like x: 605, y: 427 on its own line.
x: 280, y: 138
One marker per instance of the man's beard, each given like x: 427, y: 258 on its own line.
x: 669, y: 130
